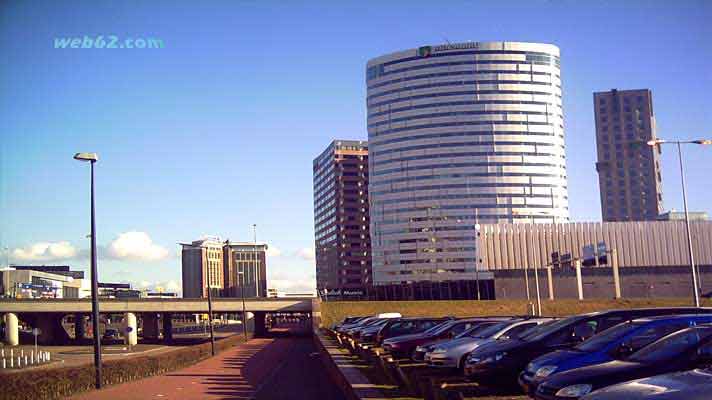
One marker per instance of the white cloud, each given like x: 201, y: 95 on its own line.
x: 163, y: 286
x: 45, y: 251
x: 135, y: 246
x: 306, y: 253
x: 273, y: 251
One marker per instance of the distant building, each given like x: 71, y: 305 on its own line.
x: 231, y: 266
x: 118, y: 291
x: 652, y: 256
x: 678, y: 215
x: 341, y: 218
x: 245, y: 268
x: 159, y: 295
x: 53, y: 269
x: 202, y: 259
x: 629, y: 176
x: 34, y: 284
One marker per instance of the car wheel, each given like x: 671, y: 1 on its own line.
x: 461, y: 364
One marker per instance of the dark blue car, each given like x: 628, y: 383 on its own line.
x: 617, y: 342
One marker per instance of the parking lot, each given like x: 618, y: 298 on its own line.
x: 519, y: 357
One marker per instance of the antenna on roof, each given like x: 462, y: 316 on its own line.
x: 447, y: 41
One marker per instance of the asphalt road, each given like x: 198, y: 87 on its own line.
x: 273, y: 368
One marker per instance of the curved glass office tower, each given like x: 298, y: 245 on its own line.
x: 460, y: 134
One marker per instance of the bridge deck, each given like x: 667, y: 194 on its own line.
x: 154, y: 305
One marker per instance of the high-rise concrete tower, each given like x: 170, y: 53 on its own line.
x: 628, y: 170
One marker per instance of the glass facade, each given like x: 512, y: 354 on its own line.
x: 460, y: 134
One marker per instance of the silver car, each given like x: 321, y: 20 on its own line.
x: 452, y: 354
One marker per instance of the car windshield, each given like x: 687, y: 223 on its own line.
x: 485, y: 330
x: 439, y: 328
x: 603, y: 339
x: 670, y: 346
x: 545, y: 330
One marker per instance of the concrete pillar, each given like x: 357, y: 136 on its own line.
x: 51, y: 329
x: 550, y: 277
x: 130, y: 329
x: 616, y: 276
x: 151, y: 329
x: 167, y: 327
x: 260, y: 329
x: 80, y: 330
x: 12, y: 332
x: 579, y: 282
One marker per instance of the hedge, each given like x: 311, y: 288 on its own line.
x: 335, y: 311
x: 56, y: 383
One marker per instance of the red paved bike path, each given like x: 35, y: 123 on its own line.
x: 235, y: 374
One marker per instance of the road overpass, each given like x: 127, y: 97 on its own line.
x: 47, y: 314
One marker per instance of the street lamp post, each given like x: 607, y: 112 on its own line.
x: 210, y: 314
x: 93, y: 158
x: 679, y: 143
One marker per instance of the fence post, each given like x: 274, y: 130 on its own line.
x: 579, y: 283
x: 550, y: 277
x: 616, y: 276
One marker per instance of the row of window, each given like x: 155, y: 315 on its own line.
x: 458, y: 197
x: 464, y: 207
x: 478, y: 133
x: 453, y: 176
x: 459, y: 93
x: 463, y: 83
x: 472, y: 154
x: 449, y: 145
x: 504, y: 114
x: 379, y: 72
x: 456, y: 218
x: 458, y: 123
x: 429, y: 250
x: 390, y: 110
x: 456, y: 73
x: 401, y: 170
x: 470, y: 52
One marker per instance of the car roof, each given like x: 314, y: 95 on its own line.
x: 671, y: 317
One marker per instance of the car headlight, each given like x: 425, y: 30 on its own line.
x: 420, y: 349
x: 574, y: 390
x: 545, y: 371
x: 438, y: 350
x: 488, y: 358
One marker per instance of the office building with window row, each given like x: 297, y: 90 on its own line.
x: 341, y: 220
x: 628, y: 169
x: 460, y: 134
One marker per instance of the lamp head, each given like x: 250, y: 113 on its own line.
x: 91, y: 157
x: 702, y: 141
x: 655, y: 142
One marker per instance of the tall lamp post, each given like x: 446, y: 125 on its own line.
x: 679, y: 143
x: 93, y: 158
x: 210, y: 313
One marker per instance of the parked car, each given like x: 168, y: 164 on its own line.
x: 679, y: 351
x: 348, y: 321
x: 502, y: 361
x: 452, y: 353
x: 366, y: 321
x: 110, y: 334
x: 689, y: 385
x: 406, y: 326
x: 614, y: 343
x: 406, y: 346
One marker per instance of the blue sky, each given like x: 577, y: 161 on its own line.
x: 217, y: 130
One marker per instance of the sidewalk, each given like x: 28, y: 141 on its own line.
x: 234, y: 374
